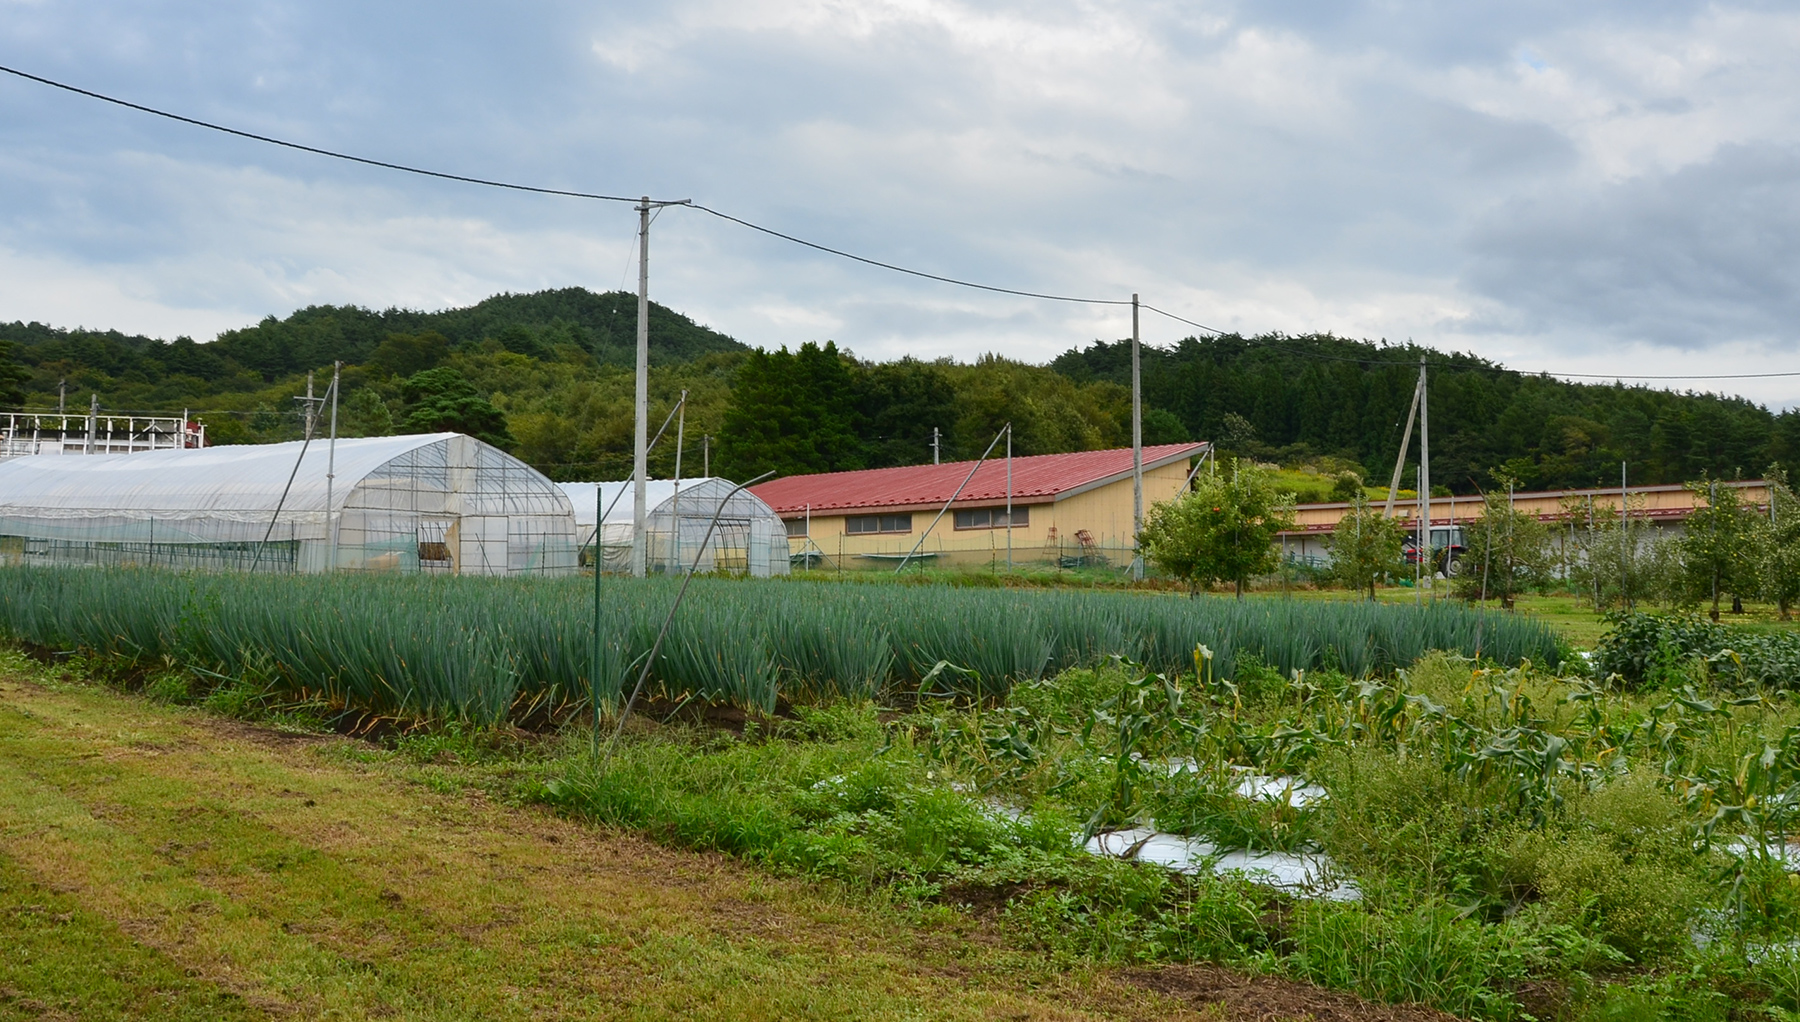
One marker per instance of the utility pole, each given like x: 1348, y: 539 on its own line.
x: 1426, y: 553
x: 640, y: 456
x: 331, y: 465
x: 93, y: 420
x: 1625, y: 534
x: 62, y: 395
x: 706, y: 455
x: 1400, y: 461
x: 1137, y: 450
x: 935, y: 438
x: 1008, y: 496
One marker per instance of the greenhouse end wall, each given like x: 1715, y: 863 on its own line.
x: 436, y: 503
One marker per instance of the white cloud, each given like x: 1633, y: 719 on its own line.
x: 1540, y: 182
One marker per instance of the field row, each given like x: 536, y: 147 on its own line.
x: 488, y: 649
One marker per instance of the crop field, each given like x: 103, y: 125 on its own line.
x: 491, y: 650
x: 1417, y: 805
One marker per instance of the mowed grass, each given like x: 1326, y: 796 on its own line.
x: 159, y: 863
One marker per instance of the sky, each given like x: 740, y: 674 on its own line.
x: 1606, y: 187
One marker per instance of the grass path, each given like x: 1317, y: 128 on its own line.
x: 157, y: 863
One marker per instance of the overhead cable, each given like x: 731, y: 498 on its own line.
x: 916, y: 273
x: 570, y: 193
x: 313, y: 149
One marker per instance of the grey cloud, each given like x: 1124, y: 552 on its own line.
x: 1707, y: 254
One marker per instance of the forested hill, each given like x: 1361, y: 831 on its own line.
x: 1286, y: 398
x: 548, y: 376
x: 131, y: 371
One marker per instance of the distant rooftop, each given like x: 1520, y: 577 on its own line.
x: 1035, y: 479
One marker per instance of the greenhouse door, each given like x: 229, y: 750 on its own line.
x: 483, y: 542
x: 435, y: 537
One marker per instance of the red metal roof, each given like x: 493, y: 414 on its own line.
x: 1035, y: 478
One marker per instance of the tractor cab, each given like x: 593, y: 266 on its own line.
x: 1446, y: 549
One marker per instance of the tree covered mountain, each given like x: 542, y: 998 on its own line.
x: 136, y: 372
x: 548, y: 375
x: 1287, y: 398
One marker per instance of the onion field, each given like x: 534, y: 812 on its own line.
x: 493, y: 649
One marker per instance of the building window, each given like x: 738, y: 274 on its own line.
x: 796, y: 527
x: 992, y: 518
x: 863, y: 525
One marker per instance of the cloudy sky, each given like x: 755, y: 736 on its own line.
x: 1599, y: 187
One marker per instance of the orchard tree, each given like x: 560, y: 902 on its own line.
x: 1504, y: 554
x: 1365, y: 546
x: 1721, y: 548
x: 1222, y: 531
x: 1781, y: 554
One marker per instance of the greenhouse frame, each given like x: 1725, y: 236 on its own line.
x: 749, y: 538
x: 436, y: 503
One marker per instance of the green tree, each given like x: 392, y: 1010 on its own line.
x: 793, y: 413
x: 366, y: 414
x: 1781, y: 553
x: 12, y: 374
x: 1365, y: 546
x: 410, y: 354
x: 1721, y: 548
x: 1222, y: 531
x: 1609, y: 554
x: 901, y: 403
x: 1504, y: 554
x: 442, y: 400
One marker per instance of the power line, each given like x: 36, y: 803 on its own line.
x: 1464, y: 367
x: 569, y: 193
x: 486, y: 182
x: 196, y: 122
x: 901, y: 269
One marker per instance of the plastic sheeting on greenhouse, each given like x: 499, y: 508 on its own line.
x: 437, y: 502
x: 750, y: 536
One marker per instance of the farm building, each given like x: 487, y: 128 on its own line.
x: 749, y: 538
x: 1067, y: 509
x: 1665, y: 506
x: 439, y: 502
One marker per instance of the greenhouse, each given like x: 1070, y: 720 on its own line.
x: 750, y: 537
x: 439, y: 502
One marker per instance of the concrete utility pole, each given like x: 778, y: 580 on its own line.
x: 1137, y: 450
x: 1427, y: 555
x: 935, y: 439
x: 331, y: 465
x: 1009, y: 522
x: 640, y: 456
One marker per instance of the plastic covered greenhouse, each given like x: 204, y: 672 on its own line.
x: 438, y: 502
x: 750, y: 537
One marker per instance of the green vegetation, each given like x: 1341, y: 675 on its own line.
x: 495, y: 649
x: 1516, y: 837
x: 1223, y: 530
x: 555, y: 366
x: 160, y: 863
x: 1273, y: 397
x: 1366, y: 547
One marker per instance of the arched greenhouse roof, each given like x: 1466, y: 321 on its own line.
x: 222, y: 482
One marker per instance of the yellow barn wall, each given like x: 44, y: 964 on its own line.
x: 1104, y: 511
